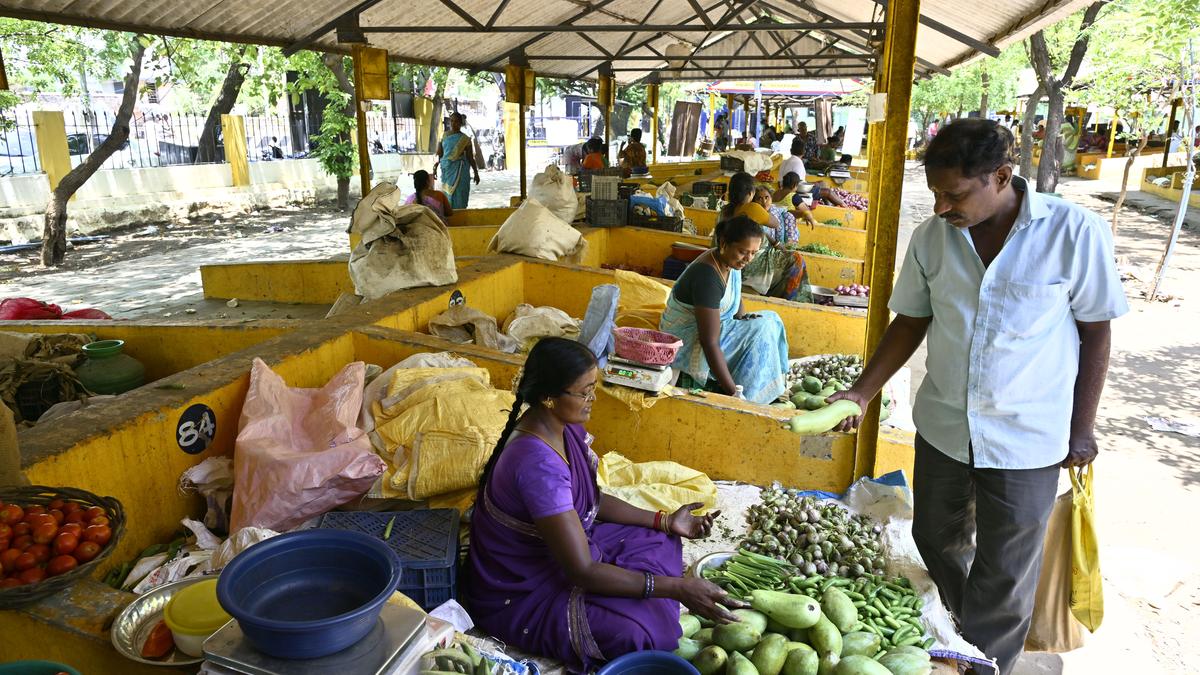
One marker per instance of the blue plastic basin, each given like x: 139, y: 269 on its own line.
x: 310, y: 593
x: 649, y: 663
x: 35, y: 668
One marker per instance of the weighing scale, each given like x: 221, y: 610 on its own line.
x: 637, y: 375
x: 378, y: 653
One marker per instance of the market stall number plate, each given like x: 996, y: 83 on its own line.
x: 196, y: 429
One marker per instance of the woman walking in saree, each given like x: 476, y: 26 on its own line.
x: 456, y: 160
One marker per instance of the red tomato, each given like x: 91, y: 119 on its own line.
x: 22, y: 542
x: 32, y: 575
x: 57, y: 515
x: 11, y: 582
x: 86, y: 551
x: 25, y: 561
x: 45, y: 533
x: 6, y: 531
x: 99, y: 520
x: 37, y: 519
x: 71, y: 507
x: 40, y: 551
x: 11, y: 514
x: 21, y: 528
x: 93, y: 512
x: 98, y: 533
x: 8, y: 560
x: 159, y: 643
x: 56, y: 504
x: 61, y: 565
x: 74, y: 528
x: 75, y: 516
x: 4, y: 544
x: 34, y: 509
x: 65, y: 543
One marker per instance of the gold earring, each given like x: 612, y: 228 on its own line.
x: 550, y: 404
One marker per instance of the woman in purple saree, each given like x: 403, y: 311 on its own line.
x: 557, y: 568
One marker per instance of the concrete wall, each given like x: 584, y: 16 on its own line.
x: 115, y: 197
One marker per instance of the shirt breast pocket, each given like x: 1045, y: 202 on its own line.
x: 1032, y: 309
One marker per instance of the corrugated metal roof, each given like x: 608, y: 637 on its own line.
x: 633, y: 55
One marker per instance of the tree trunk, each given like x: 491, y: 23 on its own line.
x: 983, y: 98
x: 206, y: 150
x: 1052, y: 143
x: 54, y: 232
x: 1027, y: 122
x: 1137, y: 150
x: 336, y: 64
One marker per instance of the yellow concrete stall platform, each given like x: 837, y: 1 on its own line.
x: 1173, y: 190
x: 1096, y: 166
x: 849, y: 241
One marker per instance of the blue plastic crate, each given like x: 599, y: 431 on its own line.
x: 426, y: 541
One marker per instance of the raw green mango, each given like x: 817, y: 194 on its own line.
x: 839, y: 609
x: 828, y: 663
x: 826, y: 391
x: 688, y: 649
x: 800, y: 398
x: 793, y: 611
x: 860, y: 665
x: 740, y: 665
x: 794, y: 645
x: 802, y: 660
x: 770, y: 654
x: 861, y: 643
x: 736, y: 637
x: 774, y: 626
x: 705, y: 622
x: 690, y: 624
x: 905, y: 663
x: 753, y: 617
x: 710, y: 660
x: 910, y: 649
x: 703, y: 636
x: 784, y: 405
x: 814, y: 402
x: 798, y: 635
x: 836, y: 385
x: 825, y: 638
x: 811, y: 384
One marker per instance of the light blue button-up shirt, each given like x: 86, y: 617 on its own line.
x: 1003, y: 349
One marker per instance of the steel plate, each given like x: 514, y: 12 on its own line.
x: 711, y: 560
x: 134, y: 623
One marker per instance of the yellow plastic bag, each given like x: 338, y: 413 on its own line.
x: 642, y: 300
x: 1087, y: 590
x: 654, y: 485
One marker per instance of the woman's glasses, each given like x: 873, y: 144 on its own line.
x: 590, y: 396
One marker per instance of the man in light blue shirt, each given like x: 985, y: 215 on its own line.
x: 1014, y: 291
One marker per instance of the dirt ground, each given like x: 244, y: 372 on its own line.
x: 1147, y: 481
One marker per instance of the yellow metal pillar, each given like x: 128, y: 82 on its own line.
x: 512, y: 131
x: 652, y: 99
x: 519, y: 84
x: 50, y: 134
x: 886, y: 176
x: 233, y: 127
x: 1170, y: 123
x: 712, y: 115
x: 360, y: 123
x: 1112, y: 135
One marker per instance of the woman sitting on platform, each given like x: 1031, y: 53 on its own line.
x: 723, y: 346
x: 429, y: 196
x: 556, y: 567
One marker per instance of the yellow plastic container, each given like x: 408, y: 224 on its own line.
x: 193, y: 614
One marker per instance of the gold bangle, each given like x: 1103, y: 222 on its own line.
x: 666, y: 523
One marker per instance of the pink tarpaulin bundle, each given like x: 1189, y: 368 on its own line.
x: 28, y: 309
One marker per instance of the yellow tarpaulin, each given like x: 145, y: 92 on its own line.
x: 642, y: 300
x: 439, y: 426
x: 654, y: 485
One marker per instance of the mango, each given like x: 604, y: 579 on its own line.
x: 736, y: 637
x: 910, y: 649
x: 905, y: 663
x: 825, y: 638
x: 703, y: 636
x: 839, y: 609
x: 690, y: 624
x: 688, y: 648
x: 755, y: 618
x: 711, y: 660
x: 770, y: 654
x: 828, y: 663
x: 798, y: 635
x: 793, y: 611
x: 740, y: 665
x: 801, y: 660
x: 860, y: 665
x: 810, y: 384
x: 861, y: 643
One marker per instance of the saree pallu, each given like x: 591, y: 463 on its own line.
x: 456, y: 169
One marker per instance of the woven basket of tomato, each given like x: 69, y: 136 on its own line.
x: 52, y: 537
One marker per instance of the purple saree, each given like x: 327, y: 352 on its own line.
x: 517, y: 592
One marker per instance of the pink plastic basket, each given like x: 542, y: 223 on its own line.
x: 646, y: 346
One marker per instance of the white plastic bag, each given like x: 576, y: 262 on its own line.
x: 527, y: 324
x: 533, y: 230
x: 212, y: 478
x: 552, y: 188
x: 299, y: 452
x: 666, y: 192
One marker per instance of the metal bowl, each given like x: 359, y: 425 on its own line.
x: 711, y: 560
x: 133, y: 625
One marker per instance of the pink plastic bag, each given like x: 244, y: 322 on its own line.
x: 28, y: 309
x: 299, y: 452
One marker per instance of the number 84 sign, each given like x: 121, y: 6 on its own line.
x: 196, y: 429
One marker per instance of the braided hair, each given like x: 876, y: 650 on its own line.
x: 553, y: 364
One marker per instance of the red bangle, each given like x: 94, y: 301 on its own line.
x: 658, y: 520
